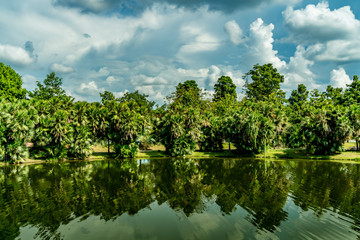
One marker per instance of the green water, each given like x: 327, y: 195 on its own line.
x: 181, y: 199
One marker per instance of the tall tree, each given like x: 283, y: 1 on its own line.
x: 334, y: 94
x: 223, y: 88
x: 139, y: 99
x: 51, y: 88
x: 265, y: 84
x: 299, y: 95
x: 107, y: 96
x: 352, y: 93
x: 10, y: 84
x: 187, y: 93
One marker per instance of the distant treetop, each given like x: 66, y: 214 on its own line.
x: 10, y: 84
x: 224, y: 87
x: 51, y: 88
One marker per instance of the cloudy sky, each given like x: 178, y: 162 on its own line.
x: 152, y: 45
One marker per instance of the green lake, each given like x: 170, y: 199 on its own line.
x: 181, y: 199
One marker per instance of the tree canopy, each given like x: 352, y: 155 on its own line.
x: 187, y: 93
x: 107, y: 96
x: 223, y: 88
x: 299, y: 95
x: 138, y: 98
x: 10, y: 84
x: 352, y: 93
x: 51, y: 88
x: 265, y: 84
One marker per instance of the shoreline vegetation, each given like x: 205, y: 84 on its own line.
x: 100, y: 154
x: 48, y: 124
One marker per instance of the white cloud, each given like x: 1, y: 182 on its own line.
x: 90, y: 88
x: 162, y: 45
x: 298, y: 71
x: 317, y: 23
x: 155, y: 93
x: 234, y: 32
x: 120, y: 94
x: 336, y: 51
x: 60, y: 68
x: 339, y: 78
x: 110, y: 79
x: 15, y: 55
x: 213, y: 73
x: 201, y: 41
x: 331, y: 35
x: 104, y: 71
x: 261, y: 45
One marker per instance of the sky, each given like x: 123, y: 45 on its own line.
x: 152, y: 45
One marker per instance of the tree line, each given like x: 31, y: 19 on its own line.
x: 56, y: 126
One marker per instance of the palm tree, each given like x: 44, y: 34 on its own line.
x: 15, y: 130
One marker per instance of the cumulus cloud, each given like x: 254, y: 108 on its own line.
x: 336, y: 51
x: 15, y: 55
x: 261, y: 44
x: 317, y: 23
x: 157, y: 93
x: 120, y: 94
x: 234, y: 32
x: 60, y: 68
x: 298, y: 71
x: 330, y: 35
x: 339, y: 78
x: 90, y: 88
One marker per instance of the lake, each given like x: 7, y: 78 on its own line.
x: 181, y: 199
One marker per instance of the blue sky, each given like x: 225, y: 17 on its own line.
x: 152, y: 45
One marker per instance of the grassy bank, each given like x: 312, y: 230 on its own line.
x: 158, y: 151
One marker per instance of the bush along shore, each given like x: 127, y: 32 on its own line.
x: 47, y: 124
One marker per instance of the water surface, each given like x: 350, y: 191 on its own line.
x: 181, y: 199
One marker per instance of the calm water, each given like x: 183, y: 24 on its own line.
x: 181, y: 199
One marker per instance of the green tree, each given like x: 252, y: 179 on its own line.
x: 138, y: 99
x: 299, y: 96
x: 80, y: 139
x: 179, y: 129
x: 354, y: 117
x: 224, y: 87
x: 212, y: 134
x: 187, y: 93
x: 54, y: 128
x: 265, y: 84
x: 251, y: 129
x: 15, y: 129
x: 352, y: 93
x: 51, y: 88
x: 321, y: 129
x: 107, y: 96
x: 10, y: 84
x: 126, y: 125
x: 334, y: 94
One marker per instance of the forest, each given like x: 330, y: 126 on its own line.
x: 48, y: 124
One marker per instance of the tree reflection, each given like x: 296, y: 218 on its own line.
x: 51, y: 195
x: 252, y: 185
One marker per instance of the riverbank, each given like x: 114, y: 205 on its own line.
x: 158, y: 151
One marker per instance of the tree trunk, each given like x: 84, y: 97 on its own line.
x: 108, y: 145
x: 357, y: 145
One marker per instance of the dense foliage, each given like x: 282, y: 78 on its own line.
x: 52, y: 125
x: 10, y: 84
